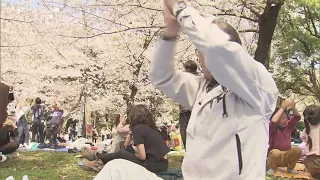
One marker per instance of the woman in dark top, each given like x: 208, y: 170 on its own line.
x: 151, y: 148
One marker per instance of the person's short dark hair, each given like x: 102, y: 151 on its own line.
x: 38, y: 100
x: 190, y: 66
x: 177, y: 126
x: 227, y: 28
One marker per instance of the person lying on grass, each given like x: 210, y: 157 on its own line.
x: 151, y: 150
x: 280, y: 153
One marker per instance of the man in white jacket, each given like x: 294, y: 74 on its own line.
x: 227, y: 135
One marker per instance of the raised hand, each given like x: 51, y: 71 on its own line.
x: 288, y: 103
x: 173, y: 27
x: 122, y: 119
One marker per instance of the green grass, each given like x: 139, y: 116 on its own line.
x: 59, y: 166
x: 44, y: 165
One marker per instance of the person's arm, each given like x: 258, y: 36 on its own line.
x: 228, y: 62
x: 276, y: 118
x: 180, y: 86
x: 138, y: 139
x: 294, y: 120
x: 141, y: 154
x: 128, y: 140
x: 123, y: 129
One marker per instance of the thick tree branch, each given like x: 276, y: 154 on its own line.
x: 252, y: 10
x: 315, y: 33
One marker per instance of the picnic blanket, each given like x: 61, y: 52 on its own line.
x: 282, y: 172
x: 44, y: 149
x: 171, y: 174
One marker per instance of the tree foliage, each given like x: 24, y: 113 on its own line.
x: 298, y: 48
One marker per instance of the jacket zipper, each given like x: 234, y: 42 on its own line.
x: 239, y: 153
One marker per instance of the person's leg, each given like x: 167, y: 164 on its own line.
x: 34, y: 131
x: 183, y: 122
x: 312, y: 164
x: 122, y: 145
x: 20, y: 134
x: 54, y: 136
x: 41, y: 132
x: 26, y: 134
x: 10, y: 147
x: 121, y: 154
x: 291, y: 158
x: 130, y: 150
x: 274, y: 159
x: 157, y: 166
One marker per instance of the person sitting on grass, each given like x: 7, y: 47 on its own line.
x: 8, y: 145
x: 150, y: 145
x: 280, y: 128
x: 312, y: 137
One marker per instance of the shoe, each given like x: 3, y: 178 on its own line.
x: 13, y: 155
x: 74, y: 150
x: 88, y: 153
x: 96, y: 165
x: 3, y: 158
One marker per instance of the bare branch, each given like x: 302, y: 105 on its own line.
x: 17, y: 46
x: 15, y: 20
x: 148, y: 8
x: 237, y: 15
x: 229, y: 13
x: 114, y: 32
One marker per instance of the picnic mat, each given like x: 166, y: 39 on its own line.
x: 282, y: 172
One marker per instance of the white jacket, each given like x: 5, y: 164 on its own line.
x: 219, y: 147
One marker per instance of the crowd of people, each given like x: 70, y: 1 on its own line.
x: 228, y: 114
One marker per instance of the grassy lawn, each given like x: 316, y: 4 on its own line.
x: 56, y: 166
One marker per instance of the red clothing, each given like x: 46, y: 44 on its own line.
x: 281, y: 139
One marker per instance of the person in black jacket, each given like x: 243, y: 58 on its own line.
x: 7, y: 143
x: 184, y: 116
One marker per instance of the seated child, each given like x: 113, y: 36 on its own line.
x: 280, y: 153
x: 312, y: 135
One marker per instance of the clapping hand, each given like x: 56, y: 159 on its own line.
x: 173, y: 27
x: 288, y: 103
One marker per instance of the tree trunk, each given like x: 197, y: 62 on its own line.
x: 130, y: 99
x: 267, y: 24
